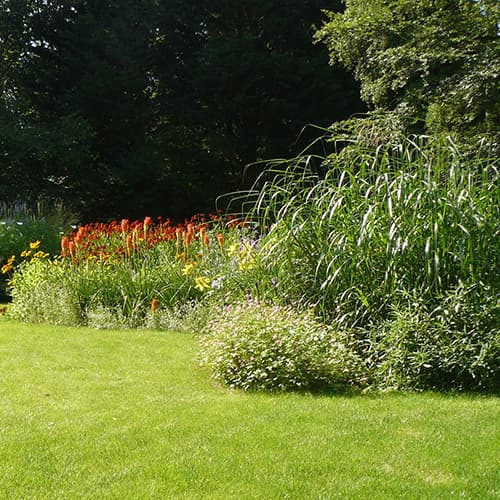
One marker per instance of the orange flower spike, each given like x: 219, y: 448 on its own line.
x: 71, y: 248
x: 220, y: 239
x: 188, y: 238
x: 79, y: 235
x: 148, y: 221
x: 206, y: 239
x: 129, y: 244
x: 154, y: 305
x: 202, y: 233
x: 124, y: 226
x: 64, y: 246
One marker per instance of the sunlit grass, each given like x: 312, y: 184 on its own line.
x: 130, y: 414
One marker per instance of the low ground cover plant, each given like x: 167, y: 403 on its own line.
x: 255, y: 345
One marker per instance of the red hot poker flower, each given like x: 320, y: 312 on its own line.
x: 154, y: 305
x: 130, y: 243
x: 64, y: 246
x: 220, y: 239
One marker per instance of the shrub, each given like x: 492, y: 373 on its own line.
x: 21, y: 225
x: 455, y: 344
x: 41, y: 293
x: 254, y: 345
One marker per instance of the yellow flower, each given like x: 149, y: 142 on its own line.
x: 202, y: 284
x: 188, y: 268
x: 181, y: 256
x: 40, y: 255
x: 9, y: 266
x: 6, y: 268
x: 246, y: 264
x: 232, y: 250
x: 35, y: 244
x: 25, y: 253
x: 246, y: 259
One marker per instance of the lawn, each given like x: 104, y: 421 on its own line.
x: 130, y: 414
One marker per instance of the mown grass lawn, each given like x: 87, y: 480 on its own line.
x: 130, y: 414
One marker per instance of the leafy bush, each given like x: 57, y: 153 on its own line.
x: 21, y: 225
x: 254, y: 345
x: 41, y: 293
x: 455, y: 345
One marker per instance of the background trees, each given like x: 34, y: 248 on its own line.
x: 128, y: 107
x: 237, y: 82
x: 140, y: 106
x: 75, y: 93
x: 434, y: 63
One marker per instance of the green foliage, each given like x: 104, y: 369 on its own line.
x: 456, y: 344
x: 396, y: 248
x: 357, y: 233
x: 102, y: 102
x: 41, y: 294
x: 112, y: 289
x: 377, y: 223
x: 74, y: 95
x: 437, y: 61
x: 21, y: 225
x: 254, y: 345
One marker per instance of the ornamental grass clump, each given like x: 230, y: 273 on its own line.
x: 380, y: 241
x: 379, y: 223
x: 254, y: 345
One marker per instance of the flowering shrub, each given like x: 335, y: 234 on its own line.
x: 253, y: 345
x: 41, y: 293
x: 33, y: 253
x: 19, y: 226
x: 38, y: 290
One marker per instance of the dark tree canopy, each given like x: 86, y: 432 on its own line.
x: 139, y: 106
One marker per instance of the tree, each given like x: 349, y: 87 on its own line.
x: 251, y: 79
x: 75, y: 92
x: 436, y: 63
x: 129, y: 107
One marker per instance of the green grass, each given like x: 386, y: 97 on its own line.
x: 130, y: 414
